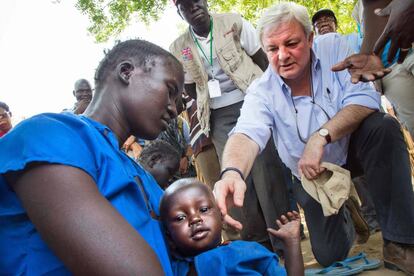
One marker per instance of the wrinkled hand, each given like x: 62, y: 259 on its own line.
x: 128, y: 143
x: 362, y: 67
x: 289, y: 227
x: 399, y: 28
x: 309, y: 163
x: 230, y: 192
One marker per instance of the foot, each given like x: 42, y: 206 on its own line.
x: 399, y: 257
x: 361, y: 226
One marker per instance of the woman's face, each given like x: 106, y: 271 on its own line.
x: 150, y: 103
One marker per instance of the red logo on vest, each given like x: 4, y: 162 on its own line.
x: 187, y: 54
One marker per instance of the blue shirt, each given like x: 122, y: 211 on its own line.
x: 268, y: 106
x: 235, y: 258
x: 79, y: 142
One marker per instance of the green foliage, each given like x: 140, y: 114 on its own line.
x: 252, y: 9
x: 109, y: 17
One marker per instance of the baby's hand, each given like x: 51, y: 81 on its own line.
x: 289, y: 228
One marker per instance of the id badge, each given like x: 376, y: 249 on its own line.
x: 214, y: 88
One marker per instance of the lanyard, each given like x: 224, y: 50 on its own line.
x: 211, y: 43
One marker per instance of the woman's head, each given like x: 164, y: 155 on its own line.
x: 191, y: 217
x: 139, y: 83
x: 161, y: 160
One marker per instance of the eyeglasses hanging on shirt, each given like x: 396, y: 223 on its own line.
x: 213, y: 84
x: 305, y: 140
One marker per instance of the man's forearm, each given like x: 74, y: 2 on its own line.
x: 373, y: 24
x: 240, y: 152
x: 347, y: 121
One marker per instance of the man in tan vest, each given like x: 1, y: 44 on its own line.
x: 221, y: 56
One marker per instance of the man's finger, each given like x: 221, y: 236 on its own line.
x: 232, y: 222
x: 402, y: 56
x: 220, y: 199
x: 238, y: 195
x: 355, y: 77
x: 383, y: 12
x: 379, y: 45
x: 392, y: 51
x: 341, y: 65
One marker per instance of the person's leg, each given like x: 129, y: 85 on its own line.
x: 208, y: 165
x: 331, y: 237
x: 378, y: 149
x: 367, y: 205
x: 251, y: 215
x: 271, y: 189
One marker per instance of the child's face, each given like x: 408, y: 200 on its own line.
x: 193, y: 220
x: 163, y: 170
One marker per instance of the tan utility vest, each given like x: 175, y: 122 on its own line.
x: 232, y: 58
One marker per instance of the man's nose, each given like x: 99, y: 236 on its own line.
x: 283, y: 53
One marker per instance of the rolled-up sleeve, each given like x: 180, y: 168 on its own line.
x: 255, y: 119
x: 361, y: 94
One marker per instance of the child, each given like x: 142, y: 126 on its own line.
x: 193, y: 228
x: 161, y: 160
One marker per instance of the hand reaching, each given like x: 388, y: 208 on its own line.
x: 399, y: 29
x: 362, y: 67
x: 230, y: 192
x: 289, y: 228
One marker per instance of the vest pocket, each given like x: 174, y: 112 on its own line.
x: 230, y: 56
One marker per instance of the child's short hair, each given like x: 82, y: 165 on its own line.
x: 158, y: 150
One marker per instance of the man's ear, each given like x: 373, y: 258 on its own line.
x: 73, y: 93
x: 311, y: 35
x: 124, y: 70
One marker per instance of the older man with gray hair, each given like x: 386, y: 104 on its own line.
x: 318, y: 115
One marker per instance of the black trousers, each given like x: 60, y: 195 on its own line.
x: 377, y: 149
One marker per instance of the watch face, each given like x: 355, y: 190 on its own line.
x: 323, y: 132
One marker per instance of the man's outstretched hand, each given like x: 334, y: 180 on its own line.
x: 230, y: 192
x: 362, y: 67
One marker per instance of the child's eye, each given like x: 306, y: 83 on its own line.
x: 180, y: 218
x: 204, y: 209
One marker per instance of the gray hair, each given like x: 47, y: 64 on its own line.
x: 281, y: 13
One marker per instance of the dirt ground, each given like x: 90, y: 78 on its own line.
x: 373, y: 249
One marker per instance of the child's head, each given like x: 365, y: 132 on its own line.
x: 161, y: 160
x: 191, y: 217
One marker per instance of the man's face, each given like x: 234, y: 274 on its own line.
x: 5, y: 121
x: 288, y: 49
x: 193, y: 220
x: 83, y: 92
x: 325, y: 24
x: 149, y: 102
x: 195, y: 12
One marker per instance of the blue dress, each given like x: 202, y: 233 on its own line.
x: 235, y: 258
x: 79, y: 142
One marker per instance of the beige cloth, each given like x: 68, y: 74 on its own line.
x: 331, y: 189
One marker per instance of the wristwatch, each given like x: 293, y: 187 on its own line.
x: 325, y: 134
